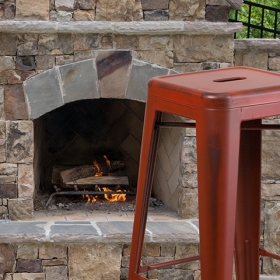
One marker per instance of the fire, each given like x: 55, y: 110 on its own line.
x: 98, y: 173
x: 107, y: 161
x: 90, y: 198
x: 97, y: 166
x: 114, y: 197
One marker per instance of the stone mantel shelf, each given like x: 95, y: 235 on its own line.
x: 128, y: 28
x: 261, y: 45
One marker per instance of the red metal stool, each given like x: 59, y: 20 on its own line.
x: 227, y: 105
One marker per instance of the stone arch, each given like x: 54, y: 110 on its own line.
x: 110, y: 74
x: 114, y: 75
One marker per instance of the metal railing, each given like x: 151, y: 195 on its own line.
x: 255, y: 18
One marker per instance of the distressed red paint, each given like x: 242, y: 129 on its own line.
x: 227, y: 105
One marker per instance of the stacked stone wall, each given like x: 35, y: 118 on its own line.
x: 26, y: 53
x: 265, y: 54
x: 105, y: 10
x: 49, y: 261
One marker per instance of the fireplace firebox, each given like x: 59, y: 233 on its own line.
x: 90, y: 145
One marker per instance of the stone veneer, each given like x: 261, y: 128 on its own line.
x: 93, y: 250
x: 40, y: 36
x: 81, y: 10
x: 96, y: 250
x: 265, y: 54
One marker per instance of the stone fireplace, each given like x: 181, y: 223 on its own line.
x: 103, y: 114
x: 103, y: 111
x: 66, y: 66
x: 97, y: 88
x: 73, y: 85
x: 73, y: 78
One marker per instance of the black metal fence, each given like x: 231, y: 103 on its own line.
x: 259, y: 21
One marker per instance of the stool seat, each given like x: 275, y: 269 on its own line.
x: 223, y: 88
x: 227, y: 105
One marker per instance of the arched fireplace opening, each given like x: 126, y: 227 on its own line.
x: 92, y: 109
x: 85, y: 133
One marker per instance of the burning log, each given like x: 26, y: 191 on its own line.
x: 88, y: 175
x: 84, y: 171
x: 56, y: 179
x: 101, y: 180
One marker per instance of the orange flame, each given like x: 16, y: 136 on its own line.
x: 98, y: 173
x: 107, y: 161
x: 89, y: 197
x: 114, y: 197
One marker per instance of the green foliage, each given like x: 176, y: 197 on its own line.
x: 256, y: 19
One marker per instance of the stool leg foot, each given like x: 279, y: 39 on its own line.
x: 247, y: 236
x: 144, y: 187
x: 218, y: 136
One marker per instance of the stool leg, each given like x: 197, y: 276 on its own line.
x: 218, y: 136
x: 144, y: 187
x: 247, y: 237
